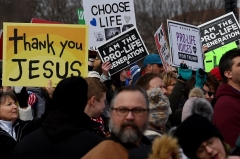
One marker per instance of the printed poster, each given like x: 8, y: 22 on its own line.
x: 35, y: 53
x: 220, y: 31
x: 123, y: 50
x: 185, y: 44
x: 107, y: 19
x: 162, y: 46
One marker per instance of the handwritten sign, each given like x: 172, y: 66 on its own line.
x: 107, y: 19
x: 185, y: 44
x: 123, y: 50
x: 162, y: 46
x: 35, y: 53
x: 1, y: 43
x: 220, y: 31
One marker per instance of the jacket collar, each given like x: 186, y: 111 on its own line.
x: 128, y: 146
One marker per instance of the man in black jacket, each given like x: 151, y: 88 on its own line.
x: 67, y: 131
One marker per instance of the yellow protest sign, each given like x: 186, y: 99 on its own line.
x: 35, y: 53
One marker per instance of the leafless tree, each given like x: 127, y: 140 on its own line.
x: 64, y: 11
x: 16, y: 11
x: 150, y: 14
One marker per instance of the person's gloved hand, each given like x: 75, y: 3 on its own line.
x: 201, y: 78
x: 184, y: 73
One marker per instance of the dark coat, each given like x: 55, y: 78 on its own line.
x: 60, y: 137
x: 22, y: 128
x: 174, y: 99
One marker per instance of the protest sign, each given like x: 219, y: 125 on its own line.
x: 123, y: 50
x: 220, y: 31
x: 212, y: 58
x: 1, y: 43
x: 107, y: 19
x: 162, y: 46
x: 185, y: 44
x: 35, y: 20
x: 35, y: 53
x: 80, y: 14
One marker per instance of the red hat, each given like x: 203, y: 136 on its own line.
x: 216, y: 72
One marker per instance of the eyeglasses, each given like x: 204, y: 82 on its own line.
x: 125, y: 111
x: 208, y: 92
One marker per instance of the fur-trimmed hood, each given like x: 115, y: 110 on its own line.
x: 196, y: 92
x: 165, y: 147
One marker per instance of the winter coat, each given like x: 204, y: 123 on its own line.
x: 227, y: 113
x: 174, y: 99
x: 165, y: 147
x: 61, y: 136
x: 22, y: 128
x: 112, y: 147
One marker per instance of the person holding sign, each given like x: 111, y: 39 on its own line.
x: 65, y: 125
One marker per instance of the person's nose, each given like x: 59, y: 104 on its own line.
x: 130, y: 116
x: 208, y: 149
x: 164, y: 91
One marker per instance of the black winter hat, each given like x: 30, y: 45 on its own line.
x: 193, y: 131
x: 70, y: 95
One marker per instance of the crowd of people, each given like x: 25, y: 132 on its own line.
x: 137, y: 113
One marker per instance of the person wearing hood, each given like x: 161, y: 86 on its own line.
x: 66, y: 131
x: 226, y: 110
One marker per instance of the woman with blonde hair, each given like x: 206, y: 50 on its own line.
x: 169, y: 79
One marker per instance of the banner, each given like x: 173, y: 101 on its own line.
x: 35, y: 20
x: 1, y: 43
x: 212, y: 58
x: 185, y: 44
x: 162, y: 46
x: 123, y: 50
x: 220, y: 31
x: 80, y: 14
x: 35, y: 53
x: 107, y: 19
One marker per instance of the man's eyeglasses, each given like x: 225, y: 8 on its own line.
x: 125, y: 111
x: 207, y: 92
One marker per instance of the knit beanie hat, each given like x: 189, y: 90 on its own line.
x: 216, y: 72
x: 159, y: 106
x: 193, y: 131
x: 134, y: 70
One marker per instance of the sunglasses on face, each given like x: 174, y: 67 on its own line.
x: 207, y: 92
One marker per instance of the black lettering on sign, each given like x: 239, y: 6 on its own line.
x: 20, y: 68
x: 187, y: 57
x: 48, y: 69
x: 74, y: 69
x: 31, y: 68
x: 58, y: 71
x: 15, y: 39
x: 71, y: 45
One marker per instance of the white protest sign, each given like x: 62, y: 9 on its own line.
x: 123, y: 50
x: 107, y: 18
x: 185, y: 44
x: 220, y: 31
x: 162, y: 46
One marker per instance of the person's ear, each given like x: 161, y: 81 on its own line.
x: 92, y: 100
x: 149, y: 67
x: 228, y: 74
